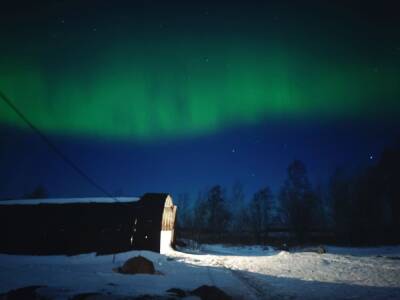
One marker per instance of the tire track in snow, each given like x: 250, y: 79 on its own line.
x: 259, y: 289
x: 252, y: 287
x: 210, y: 276
x: 255, y: 290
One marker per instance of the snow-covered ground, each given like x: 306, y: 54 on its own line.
x: 243, y: 272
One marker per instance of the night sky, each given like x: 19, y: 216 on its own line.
x: 176, y: 97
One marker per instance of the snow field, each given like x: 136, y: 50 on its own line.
x: 243, y: 272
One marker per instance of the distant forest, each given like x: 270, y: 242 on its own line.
x: 356, y: 208
x: 361, y: 208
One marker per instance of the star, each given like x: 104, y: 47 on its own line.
x: 233, y: 150
x: 371, y: 157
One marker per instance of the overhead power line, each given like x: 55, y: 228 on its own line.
x: 53, y: 147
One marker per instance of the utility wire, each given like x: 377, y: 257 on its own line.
x: 53, y: 147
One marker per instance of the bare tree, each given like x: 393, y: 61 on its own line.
x: 38, y: 193
x: 238, y: 208
x: 185, y: 216
x: 298, y: 200
x: 260, y: 213
x: 218, y: 215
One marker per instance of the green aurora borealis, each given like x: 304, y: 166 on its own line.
x: 148, y: 85
x: 177, y: 96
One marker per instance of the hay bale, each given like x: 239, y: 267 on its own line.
x: 137, y: 265
x: 321, y: 249
x: 283, y: 247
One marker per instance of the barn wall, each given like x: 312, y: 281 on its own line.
x: 76, y: 228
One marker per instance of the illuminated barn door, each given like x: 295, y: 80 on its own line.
x: 167, y: 225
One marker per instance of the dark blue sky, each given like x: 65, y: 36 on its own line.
x: 254, y: 155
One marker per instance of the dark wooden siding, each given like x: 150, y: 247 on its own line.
x: 75, y: 228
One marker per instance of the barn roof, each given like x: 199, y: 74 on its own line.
x: 156, y: 198
x: 69, y: 200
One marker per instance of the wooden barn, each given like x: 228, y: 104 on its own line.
x: 101, y: 225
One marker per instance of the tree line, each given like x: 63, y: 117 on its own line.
x: 356, y: 207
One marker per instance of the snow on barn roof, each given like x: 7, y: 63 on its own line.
x: 69, y: 200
